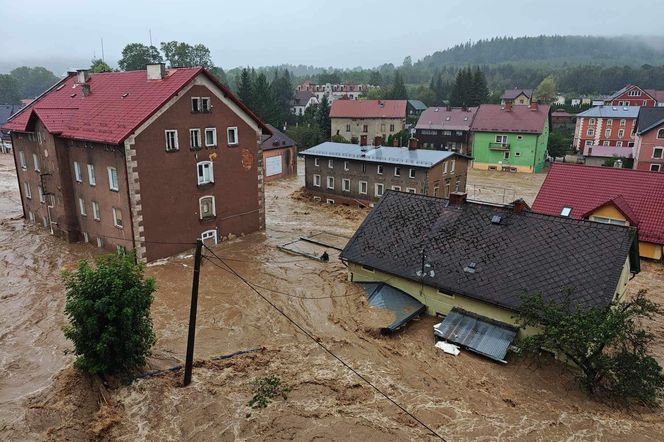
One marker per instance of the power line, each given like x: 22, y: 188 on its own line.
x: 321, y: 345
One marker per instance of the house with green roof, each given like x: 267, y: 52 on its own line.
x: 510, y: 138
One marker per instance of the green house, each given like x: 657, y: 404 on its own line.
x: 510, y: 137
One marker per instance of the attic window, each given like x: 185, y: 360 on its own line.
x: 566, y: 212
x: 496, y: 219
x: 470, y: 268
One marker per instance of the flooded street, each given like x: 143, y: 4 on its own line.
x: 462, y: 398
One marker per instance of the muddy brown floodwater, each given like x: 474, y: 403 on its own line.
x: 462, y: 398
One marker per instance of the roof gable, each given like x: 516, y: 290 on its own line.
x: 525, y: 252
x: 586, y: 188
x: 368, y: 109
x: 649, y: 118
x: 443, y: 118
x: 278, y: 140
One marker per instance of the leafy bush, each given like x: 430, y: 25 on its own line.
x: 109, y: 314
x: 265, y: 389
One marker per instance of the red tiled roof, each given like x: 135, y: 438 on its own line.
x: 637, y: 194
x: 368, y: 109
x: 441, y: 118
x: 118, y: 103
x: 521, y: 119
x: 656, y: 94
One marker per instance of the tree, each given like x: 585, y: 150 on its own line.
x: 244, y: 88
x: 306, y: 136
x: 546, y: 90
x: 220, y: 74
x: 135, y: 56
x: 480, y: 90
x: 98, y: 65
x: 282, y: 92
x: 336, y: 138
x: 32, y: 82
x: 323, y: 117
x: 108, y: 308
x: 9, y: 93
x: 607, y: 344
x: 398, y: 90
x: 559, y: 143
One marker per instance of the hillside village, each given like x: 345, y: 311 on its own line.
x: 392, y: 257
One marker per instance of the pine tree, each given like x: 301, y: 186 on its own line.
x: 323, y: 117
x: 398, y: 91
x: 263, y: 100
x: 244, y: 88
x: 480, y: 91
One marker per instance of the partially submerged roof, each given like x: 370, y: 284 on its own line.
x: 118, y: 103
x: 608, y: 111
x: 278, y: 139
x: 583, y: 188
x: 443, y: 118
x: 491, y: 253
x: 518, y: 119
x: 649, y: 118
x: 380, y: 154
x: 511, y: 94
x: 368, y: 109
x: 404, y: 306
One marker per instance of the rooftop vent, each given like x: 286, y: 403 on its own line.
x: 496, y: 219
x: 125, y: 95
x: 447, y: 118
x: 614, y: 108
x: 470, y: 268
x: 435, y: 110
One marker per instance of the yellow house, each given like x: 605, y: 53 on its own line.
x: 483, y: 258
x: 608, y: 195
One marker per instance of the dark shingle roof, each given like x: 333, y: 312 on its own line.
x: 511, y: 94
x: 277, y: 140
x: 7, y: 110
x: 649, y: 118
x: 526, y: 253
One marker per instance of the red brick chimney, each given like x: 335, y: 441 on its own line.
x: 395, y: 141
x: 363, y: 140
x: 519, y: 206
x: 412, y: 143
x: 378, y: 140
x: 508, y: 106
x: 457, y: 198
x: 533, y: 106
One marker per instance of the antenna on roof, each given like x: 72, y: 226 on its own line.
x: 150, y: 32
x: 102, y: 49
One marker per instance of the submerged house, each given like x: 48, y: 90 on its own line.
x: 480, y: 259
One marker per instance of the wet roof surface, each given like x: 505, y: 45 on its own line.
x: 381, y: 154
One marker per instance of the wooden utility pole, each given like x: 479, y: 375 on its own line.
x: 192, y: 313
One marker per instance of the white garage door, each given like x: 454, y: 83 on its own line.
x: 273, y: 165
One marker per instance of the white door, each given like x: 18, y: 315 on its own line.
x: 273, y: 165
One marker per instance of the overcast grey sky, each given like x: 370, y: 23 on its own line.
x: 340, y: 33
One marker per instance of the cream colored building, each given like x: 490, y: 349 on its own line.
x: 354, y: 118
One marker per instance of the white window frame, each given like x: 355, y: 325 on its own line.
x: 621, y: 133
x: 42, y: 197
x: 78, y: 176
x: 346, y: 166
x: 382, y: 192
x: 397, y: 171
x: 411, y: 190
x: 236, y: 135
x: 397, y: 188
x: 501, y: 139
x: 330, y: 163
x: 619, y: 143
x: 366, y: 187
x: 661, y: 152
x: 411, y: 173
x: 21, y: 160
x: 197, y: 107
x: 591, y: 121
x: 316, y: 181
x: 330, y: 182
x: 213, y: 131
x: 113, y: 183
x: 444, y: 167
x: 200, y: 206
x: 379, y: 169
x: 316, y: 162
x: 92, y: 178
x: 623, y: 122
x: 660, y: 134
x: 209, y: 234
x: 200, y: 173
x: 590, y: 132
x: 27, y: 189
x: 35, y: 161
x: 589, y: 142
x: 172, y: 144
x: 655, y: 167
x: 453, y: 166
x: 345, y: 185
x: 195, y: 138
x: 607, y: 133
x: 115, y: 218
x: 100, y: 242
x: 206, y: 104
x: 81, y: 207
x: 96, y: 211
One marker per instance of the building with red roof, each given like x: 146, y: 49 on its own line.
x: 354, y: 119
x: 147, y: 160
x: 510, y: 138
x: 649, y: 143
x: 445, y: 128
x: 608, y: 195
x: 633, y: 95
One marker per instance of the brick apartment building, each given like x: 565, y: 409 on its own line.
x: 607, y: 126
x: 632, y: 95
x: 354, y: 174
x: 146, y: 160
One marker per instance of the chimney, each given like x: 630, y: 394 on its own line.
x: 457, y: 198
x: 378, y: 140
x: 395, y: 141
x: 519, y: 206
x: 82, y: 76
x: 448, y: 108
x: 156, y: 71
x: 412, y: 143
x: 508, y: 106
x: 363, y: 140
x: 533, y: 106
x: 86, y: 89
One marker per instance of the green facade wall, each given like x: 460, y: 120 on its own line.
x: 527, y: 153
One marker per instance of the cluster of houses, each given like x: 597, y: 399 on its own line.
x: 151, y: 160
